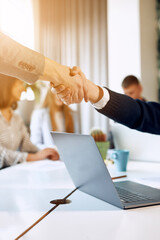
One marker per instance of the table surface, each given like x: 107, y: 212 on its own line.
x: 27, y: 189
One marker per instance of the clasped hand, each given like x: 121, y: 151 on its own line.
x: 78, y: 90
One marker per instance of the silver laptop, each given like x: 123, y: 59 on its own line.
x: 90, y: 175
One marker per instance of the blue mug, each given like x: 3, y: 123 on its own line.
x: 120, y: 157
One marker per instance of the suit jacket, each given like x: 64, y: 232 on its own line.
x: 19, y: 61
x: 135, y: 114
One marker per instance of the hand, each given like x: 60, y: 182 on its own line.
x: 63, y: 93
x: 61, y: 75
x: 49, y: 153
x: 76, y: 94
x: 93, y: 93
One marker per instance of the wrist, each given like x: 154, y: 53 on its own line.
x: 50, y: 71
x: 95, y: 93
x: 31, y: 157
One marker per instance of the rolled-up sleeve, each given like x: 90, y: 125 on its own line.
x: 19, y: 61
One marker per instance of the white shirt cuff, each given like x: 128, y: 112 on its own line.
x: 104, y: 100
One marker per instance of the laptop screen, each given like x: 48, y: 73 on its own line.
x: 86, y: 166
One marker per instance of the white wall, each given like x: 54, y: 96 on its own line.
x: 149, y: 72
x: 132, y: 44
x: 123, y: 41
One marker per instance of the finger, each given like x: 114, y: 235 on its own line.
x: 67, y: 100
x: 86, y: 97
x: 82, y: 90
x: 49, y: 151
x: 50, y: 157
x: 85, y: 90
x: 80, y: 95
x: 82, y: 74
x: 57, y: 155
x: 51, y: 84
x: 58, y: 89
x: 75, y: 70
x: 54, y: 157
x: 64, y: 94
x: 53, y: 152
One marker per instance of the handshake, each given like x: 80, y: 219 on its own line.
x: 75, y: 87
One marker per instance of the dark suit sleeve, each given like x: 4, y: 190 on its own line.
x: 135, y: 114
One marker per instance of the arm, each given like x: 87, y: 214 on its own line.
x: 135, y: 114
x: 25, y: 64
x: 9, y: 157
x: 49, y: 153
x: 19, y: 61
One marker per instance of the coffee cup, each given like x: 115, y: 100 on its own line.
x: 120, y: 158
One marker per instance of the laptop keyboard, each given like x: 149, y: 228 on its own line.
x: 127, y: 196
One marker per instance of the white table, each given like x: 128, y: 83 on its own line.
x: 27, y: 189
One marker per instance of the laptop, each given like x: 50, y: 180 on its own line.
x: 90, y: 175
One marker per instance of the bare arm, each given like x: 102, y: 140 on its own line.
x: 49, y: 153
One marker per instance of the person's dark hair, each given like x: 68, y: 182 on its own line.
x: 130, y: 80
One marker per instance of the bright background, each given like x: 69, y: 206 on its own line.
x: 107, y: 39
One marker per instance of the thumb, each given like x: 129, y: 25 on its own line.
x: 75, y: 70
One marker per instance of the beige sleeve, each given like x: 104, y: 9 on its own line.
x: 19, y: 61
x: 9, y: 157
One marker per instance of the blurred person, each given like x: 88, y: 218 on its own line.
x: 135, y: 114
x: 53, y: 116
x: 15, y: 144
x: 132, y: 87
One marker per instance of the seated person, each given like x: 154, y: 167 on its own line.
x: 132, y: 87
x: 15, y: 144
x: 53, y: 116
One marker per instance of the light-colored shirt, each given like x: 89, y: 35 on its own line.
x: 41, y: 127
x: 15, y: 142
x: 19, y: 61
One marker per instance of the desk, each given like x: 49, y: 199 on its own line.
x: 25, y: 193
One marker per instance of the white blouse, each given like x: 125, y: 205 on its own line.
x: 15, y: 142
x: 41, y: 127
